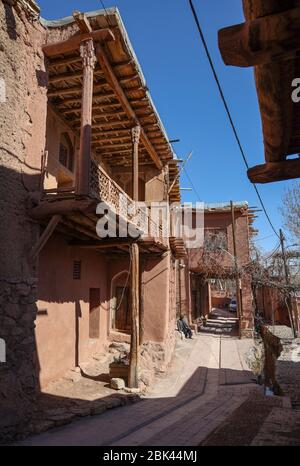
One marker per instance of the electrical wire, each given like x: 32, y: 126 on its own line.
x: 262, y: 239
x: 192, y: 184
x: 229, y: 113
x: 106, y: 13
x: 272, y: 254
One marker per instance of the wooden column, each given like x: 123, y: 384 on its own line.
x: 133, y: 379
x: 136, y: 134
x: 237, y: 278
x: 83, y: 168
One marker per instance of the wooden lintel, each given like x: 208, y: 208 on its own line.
x: 275, y: 171
x: 114, y: 83
x: 73, y: 43
x: 103, y: 243
x: 63, y: 207
x: 262, y: 40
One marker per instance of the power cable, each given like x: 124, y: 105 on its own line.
x: 192, y: 184
x: 262, y: 239
x: 106, y: 13
x: 228, y: 112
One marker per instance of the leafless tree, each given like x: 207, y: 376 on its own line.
x: 291, y: 209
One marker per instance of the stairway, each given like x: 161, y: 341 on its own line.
x: 220, y: 322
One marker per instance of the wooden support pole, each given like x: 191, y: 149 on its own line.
x: 84, y: 159
x: 44, y: 237
x: 263, y: 40
x: 133, y: 380
x: 275, y: 171
x: 133, y: 377
x: 237, y: 278
x: 287, y: 281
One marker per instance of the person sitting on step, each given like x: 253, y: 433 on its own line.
x: 183, y: 327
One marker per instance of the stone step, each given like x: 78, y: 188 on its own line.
x: 219, y: 324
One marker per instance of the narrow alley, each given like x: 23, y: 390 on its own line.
x: 208, y: 381
x: 149, y: 286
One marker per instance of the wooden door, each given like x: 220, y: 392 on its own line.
x: 94, y: 318
x: 122, y: 320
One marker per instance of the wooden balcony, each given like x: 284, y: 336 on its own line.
x: 79, y: 217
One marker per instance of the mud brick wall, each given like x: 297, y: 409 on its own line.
x: 288, y: 369
x: 247, y: 321
x: 22, y: 136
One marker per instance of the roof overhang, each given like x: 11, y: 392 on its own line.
x: 121, y: 99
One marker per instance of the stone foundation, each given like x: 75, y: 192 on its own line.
x: 156, y: 358
x: 19, y: 374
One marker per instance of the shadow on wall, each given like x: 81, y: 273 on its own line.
x: 19, y: 374
x: 21, y: 397
x: 10, y: 19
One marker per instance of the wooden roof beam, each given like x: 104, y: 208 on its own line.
x: 111, y: 123
x: 102, y: 115
x: 95, y: 107
x: 113, y: 131
x: 73, y: 43
x: 113, y: 81
x: 78, y: 90
x: 82, y: 22
x: 65, y: 62
x: 262, y: 40
x: 275, y: 171
x: 70, y: 76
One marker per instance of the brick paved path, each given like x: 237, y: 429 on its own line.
x: 207, y: 382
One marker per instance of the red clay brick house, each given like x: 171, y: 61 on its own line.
x: 214, y: 262
x: 78, y: 126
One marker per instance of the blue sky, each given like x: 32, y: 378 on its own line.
x: 165, y: 39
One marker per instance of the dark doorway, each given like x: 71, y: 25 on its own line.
x: 122, y: 322
x: 94, y: 323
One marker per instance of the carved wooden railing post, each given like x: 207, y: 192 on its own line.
x: 83, y: 168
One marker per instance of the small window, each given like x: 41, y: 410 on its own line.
x: 66, y: 152
x: 76, y: 270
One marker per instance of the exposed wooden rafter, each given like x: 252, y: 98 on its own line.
x: 113, y: 81
x: 262, y: 40
x: 276, y: 171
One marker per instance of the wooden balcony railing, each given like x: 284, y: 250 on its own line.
x: 105, y: 189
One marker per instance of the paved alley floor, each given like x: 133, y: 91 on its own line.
x: 207, y: 382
